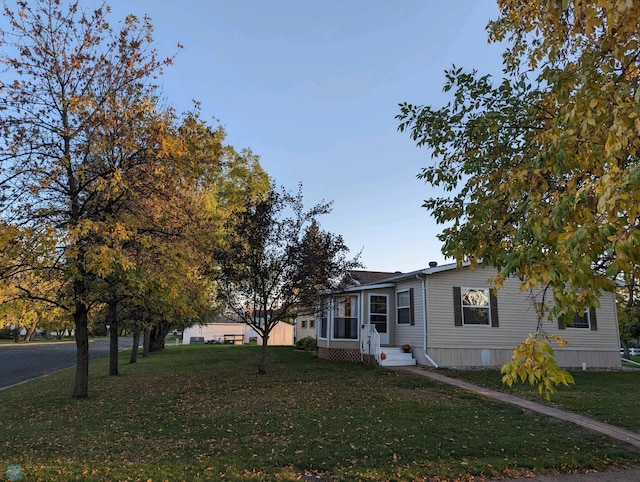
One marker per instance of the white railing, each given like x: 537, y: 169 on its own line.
x: 632, y: 351
x: 370, y: 342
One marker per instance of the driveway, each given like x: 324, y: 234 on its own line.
x: 20, y: 362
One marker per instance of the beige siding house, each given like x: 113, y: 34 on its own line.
x: 305, y: 326
x: 451, y: 317
x: 237, y: 333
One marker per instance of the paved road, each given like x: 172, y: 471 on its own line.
x: 24, y: 361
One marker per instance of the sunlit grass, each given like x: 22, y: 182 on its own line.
x: 203, y: 413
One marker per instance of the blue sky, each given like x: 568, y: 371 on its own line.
x: 313, y: 88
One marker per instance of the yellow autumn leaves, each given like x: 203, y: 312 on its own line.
x: 533, y: 362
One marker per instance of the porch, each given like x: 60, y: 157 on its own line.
x: 384, y: 355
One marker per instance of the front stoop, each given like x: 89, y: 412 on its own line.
x: 396, y: 357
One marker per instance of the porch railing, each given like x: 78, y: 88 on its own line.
x: 370, y: 342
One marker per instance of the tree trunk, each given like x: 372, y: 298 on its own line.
x: 262, y: 364
x: 147, y: 341
x: 112, y: 321
x: 158, y: 335
x: 625, y: 349
x: 31, y: 331
x: 134, y: 348
x: 81, y: 386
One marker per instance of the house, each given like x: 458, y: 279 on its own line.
x: 219, y: 332
x: 228, y: 328
x: 305, y: 320
x: 451, y: 317
x: 305, y: 325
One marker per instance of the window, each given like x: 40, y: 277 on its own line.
x: 345, y: 317
x: 312, y: 323
x: 304, y: 323
x: 378, y: 312
x: 585, y: 320
x: 404, y: 307
x: 473, y: 306
x: 580, y: 320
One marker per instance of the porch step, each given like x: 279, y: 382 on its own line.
x: 396, y: 357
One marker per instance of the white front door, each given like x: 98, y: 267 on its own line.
x: 379, y: 316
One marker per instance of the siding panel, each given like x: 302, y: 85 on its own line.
x: 451, y: 345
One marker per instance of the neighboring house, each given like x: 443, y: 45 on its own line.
x: 305, y: 325
x: 451, y: 317
x: 236, y: 333
x: 228, y: 329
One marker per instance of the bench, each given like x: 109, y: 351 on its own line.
x: 233, y: 339
x: 196, y: 340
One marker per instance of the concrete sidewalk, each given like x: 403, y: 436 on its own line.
x: 632, y: 475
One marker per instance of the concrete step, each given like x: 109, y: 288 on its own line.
x: 396, y: 357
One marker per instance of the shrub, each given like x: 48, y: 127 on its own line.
x: 308, y: 343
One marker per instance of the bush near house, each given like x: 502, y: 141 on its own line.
x: 308, y: 343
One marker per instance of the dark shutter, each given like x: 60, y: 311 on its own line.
x: 412, y: 316
x: 457, y: 306
x: 592, y: 319
x: 561, y: 324
x: 493, y: 303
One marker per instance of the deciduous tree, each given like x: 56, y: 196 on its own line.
x: 628, y: 306
x: 174, y: 223
x: 275, y: 258
x: 543, y: 166
x: 74, y: 89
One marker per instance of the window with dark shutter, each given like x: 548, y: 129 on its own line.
x: 474, y: 306
x: 585, y: 320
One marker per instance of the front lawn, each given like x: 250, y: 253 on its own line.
x: 609, y: 396
x: 202, y: 413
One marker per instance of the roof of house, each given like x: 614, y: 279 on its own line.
x: 433, y: 269
x: 370, y: 279
x: 361, y: 277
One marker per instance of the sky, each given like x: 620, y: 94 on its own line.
x: 313, y: 88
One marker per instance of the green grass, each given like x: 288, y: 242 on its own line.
x: 609, y: 396
x: 635, y: 358
x: 202, y: 413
